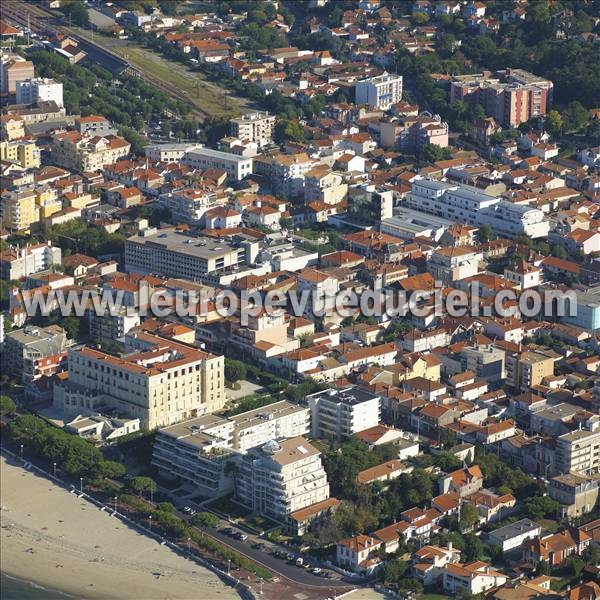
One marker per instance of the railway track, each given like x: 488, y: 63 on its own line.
x: 42, y: 21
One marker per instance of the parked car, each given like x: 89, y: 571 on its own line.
x: 187, y: 509
x: 316, y: 571
x: 229, y: 531
x: 241, y: 536
x: 290, y: 556
x: 299, y: 561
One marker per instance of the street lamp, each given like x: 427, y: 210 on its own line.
x: 188, y: 543
x: 21, y: 450
x: 228, y: 566
x: 115, y: 504
x: 150, y: 522
x: 81, y: 484
x: 54, y: 465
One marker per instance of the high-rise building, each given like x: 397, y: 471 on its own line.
x: 39, y: 89
x: 20, y: 262
x: 254, y: 127
x: 579, y: 451
x: 512, y: 96
x: 380, y: 92
x: 18, y: 210
x: 199, y: 450
x: 282, y: 477
x: 14, y: 68
x: 339, y: 413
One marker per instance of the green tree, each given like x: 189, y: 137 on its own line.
x: 540, y: 507
x: 558, y: 251
x: 7, y: 405
x: 77, y: 12
x: 432, y: 153
x: 474, y: 548
x: 393, y: 572
x: 469, y: 516
x: 485, y: 234
x: 141, y: 484
x: 167, y: 507
x: 288, y: 130
x: 554, y: 122
x: 110, y: 469
x: 205, y: 520
x: 234, y: 370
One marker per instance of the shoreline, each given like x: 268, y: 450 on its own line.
x: 55, y: 540
x: 15, y: 587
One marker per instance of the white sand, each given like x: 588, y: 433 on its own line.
x: 83, y: 551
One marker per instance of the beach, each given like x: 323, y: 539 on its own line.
x: 64, y: 543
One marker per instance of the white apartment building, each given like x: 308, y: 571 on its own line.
x: 237, y: 167
x: 255, y: 127
x: 21, y: 262
x: 188, y: 205
x: 470, y: 205
x: 282, y: 477
x: 514, y: 535
x: 321, y: 288
x: 162, y: 383
x: 198, y: 451
x: 579, y: 451
x: 453, y: 264
x: 39, y: 89
x: 380, y: 92
x: 168, y: 152
x: 339, y: 413
x: 173, y: 253
x: 474, y: 578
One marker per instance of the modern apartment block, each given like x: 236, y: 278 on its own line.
x: 39, y: 89
x: 380, y: 92
x: 24, y: 153
x: 487, y: 362
x: 512, y: 96
x: 18, y: 210
x: 199, y: 450
x: 237, y: 167
x: 173, y: 253
x: 254, y: 127
x: 579, y: 451
x: 470, y: 205
x: 21, y: 262
x: 188, y: 205
x: 527, y: 369
x: 339, y: 413
x: 411, y: 134
x: 161, y: 382
x: 14, y: 68
x: 35, y: 352
x: 282, y: 477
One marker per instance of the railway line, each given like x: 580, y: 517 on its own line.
x: 44, y: 22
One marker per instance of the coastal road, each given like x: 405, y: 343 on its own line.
x: 279, y: 566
